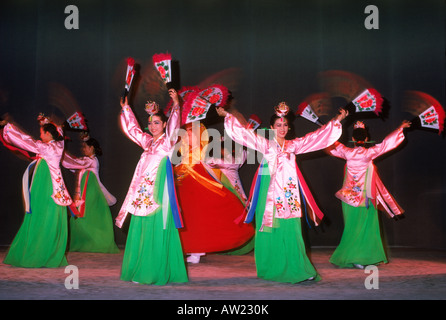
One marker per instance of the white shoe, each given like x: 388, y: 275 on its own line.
x: 359, y: 266
x: 194, y: 257
x: 311, y: 278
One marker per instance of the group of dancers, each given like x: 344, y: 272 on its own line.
x: 198, y: 206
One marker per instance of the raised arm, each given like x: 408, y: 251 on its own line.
x: 240, y: 134
x: 390, y: 142
x: 174, y: 121
x: 321, y: 138
x: 131, y: 127
x: 13, y: 135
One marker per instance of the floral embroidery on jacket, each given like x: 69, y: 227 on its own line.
x: 60, y: 191
x: 290, y: 194
x: 353, y: 190
x: 143, y: 199
x: 291, y: 197
x: 279, y: 204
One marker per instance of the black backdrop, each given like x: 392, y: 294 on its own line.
x: 269, y: 51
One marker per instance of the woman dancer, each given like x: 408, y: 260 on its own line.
x: 42, y: 238
x: 280, y: 252
x: 209, y: 208
x: 93, y: 230
x: 153, y: 252
x: 361, y: 194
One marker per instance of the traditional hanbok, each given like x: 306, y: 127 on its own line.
x: 279, y: 199
x: 153, y: 252
x: 42, y: 238
x: 92, y: 231
x: 362, y: 194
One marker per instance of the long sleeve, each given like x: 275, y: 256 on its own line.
x: 18, y: 138
x: 243, y: 136
x: 319, y: 139
x: 337, y: 150
x: 173, y: 124
x: 132, y: 129
x: 389, y: 143
x: 51, y: 152
x: 83, y: 164
x: 73, y: 163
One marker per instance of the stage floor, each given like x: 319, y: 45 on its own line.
x: 411, y: 274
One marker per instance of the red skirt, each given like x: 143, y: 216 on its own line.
x: 208, y: 214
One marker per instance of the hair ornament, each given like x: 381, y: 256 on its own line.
x: 84, y: 136
x: 152, y: 108
x: 42, y: 119
x: 281, y: 109
x: 359, y: 125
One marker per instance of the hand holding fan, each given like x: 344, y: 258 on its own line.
x: 314, y: 106
x: 198, y: 103
x: 64, y: 100
x: 429, y: 112
x: 362, y: 97
x: 368, y: 100
x: 77, y: 121
x: 184, y: 94
x: 163, y: 64
x: 130, y: 73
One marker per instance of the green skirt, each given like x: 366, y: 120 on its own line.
x: 280, y: 252
x: 153, y: 255
x: 361, y: 241
x: 42, y: 238
x: 94, y: 231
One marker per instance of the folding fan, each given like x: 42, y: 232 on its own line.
x: 428, y: 111
x: 129, y: 75
x: 362, y: 97
x: 315, y: 106
x: 197, y: 105
x: 163, y: 64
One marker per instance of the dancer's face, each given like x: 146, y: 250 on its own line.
x: 281, y: 127
x: 45, y: 136
x: 156, y: 126
x: 87, y: 150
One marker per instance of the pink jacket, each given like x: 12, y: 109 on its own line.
x: 51, y: 152
x: 361, y: 180
x: 139, y: 200
x: 283, y: 193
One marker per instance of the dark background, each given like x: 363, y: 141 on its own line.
x: 268, y: 51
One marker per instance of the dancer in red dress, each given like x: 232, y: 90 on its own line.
x: 209, y: 209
